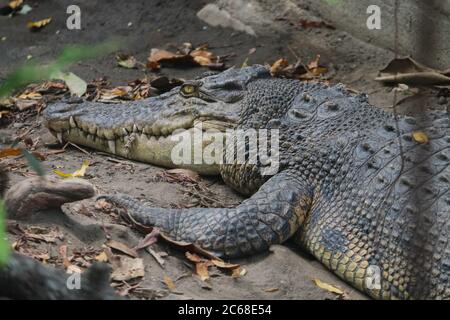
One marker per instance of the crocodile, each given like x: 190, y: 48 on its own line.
x: 364, y: 191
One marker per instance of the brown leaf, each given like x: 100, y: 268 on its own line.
x: 238, y: 272
x: 186, y: 246
x: 201, y: 269
x: 315, y: 68
x: 126, y: 61
x: 223, y: 265
x: 63, y: 254
x: 203, y: 57
x: 164, y: 57
x: 36, y: 25
x: 408, y: 71
x: 102, y: 257
x: 169, y: 283
x: 116, y: 245
x: 271, y: 290
x: 278, y: 66
x: 15, y: 4
x: 128, y: 269
x: 10, y: 152
x: 150, y: 239
x: 305, y: 23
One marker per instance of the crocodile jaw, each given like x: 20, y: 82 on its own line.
x: 141, y: 130
x: 155, y: 150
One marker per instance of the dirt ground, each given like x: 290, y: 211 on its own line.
x: 283, y: 273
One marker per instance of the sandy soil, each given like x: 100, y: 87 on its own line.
x: 283, y: 273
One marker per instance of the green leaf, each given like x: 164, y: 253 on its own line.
x: 34, y: 163
x: 77, y: 86
x: 4, y: 245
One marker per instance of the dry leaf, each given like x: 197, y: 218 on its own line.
x: 126, y: 61
x: 201, y: 269
x: 63, y: 254
x: 238, y: 272
x: 408, y: 71
x: 184, y: 174
x: 278, y: 67
x: 38, y: 24
x: 10, y: 152
x: 223, y: 265
x: 169, y: 283
x: 14, y: 4
x: 304, y: 23
x: 79, y: 173
x: 203, y: 57
x: 150, y: 239
x: 102, y: 257
x: 420, y: 137
x: 129, y: 268
x: 328, y: 287
x: 315, y: 68
x: 271, y: 290
x: 116, y: 245
x: 186, y: 246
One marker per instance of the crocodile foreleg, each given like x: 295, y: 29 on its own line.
x: 270, y: 216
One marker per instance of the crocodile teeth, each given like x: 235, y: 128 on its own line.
x: 125, y: 131
x: 135, y: 128
x: 112, y: 146
x: 72, y: 122
x: 59, y: 136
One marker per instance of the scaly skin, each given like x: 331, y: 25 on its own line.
x: 344, y: 191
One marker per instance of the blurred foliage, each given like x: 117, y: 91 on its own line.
x: 32, y: 72
x: 4, y: 245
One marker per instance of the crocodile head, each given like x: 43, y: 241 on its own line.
x: 145, y: 130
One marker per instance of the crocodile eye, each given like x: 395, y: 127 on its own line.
x: 189, y: 90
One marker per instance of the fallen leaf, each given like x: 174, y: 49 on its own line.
x: 201, y: 269
x: 128, y: 269
x: 79, y: 173
x: 63, y: 254
x: 271, y: 290
x: 36, y: 25
x: 126, y: 61
x: 76, y: 85
x: 23, y: 105
x: 14, y: 4
x: 328, y: 287
x: 116, y: 245
x: 203, y: 57
x: 10, y: 152
x: 223, y: 265
x: 408, y: 71
x: 150, y: 239
x: 186, y: 246
x: 25, y: 9
x: 157, y: 255
x: 278, y: 66
x: 183, y: 174
x: 420, y: 137
x: 169, y: 283
x: 238, y: 272
x: 164, y: 57
x: 315, y: 68
x: 305, y: 23
x: 43, y: 234
x: 102, y: 257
